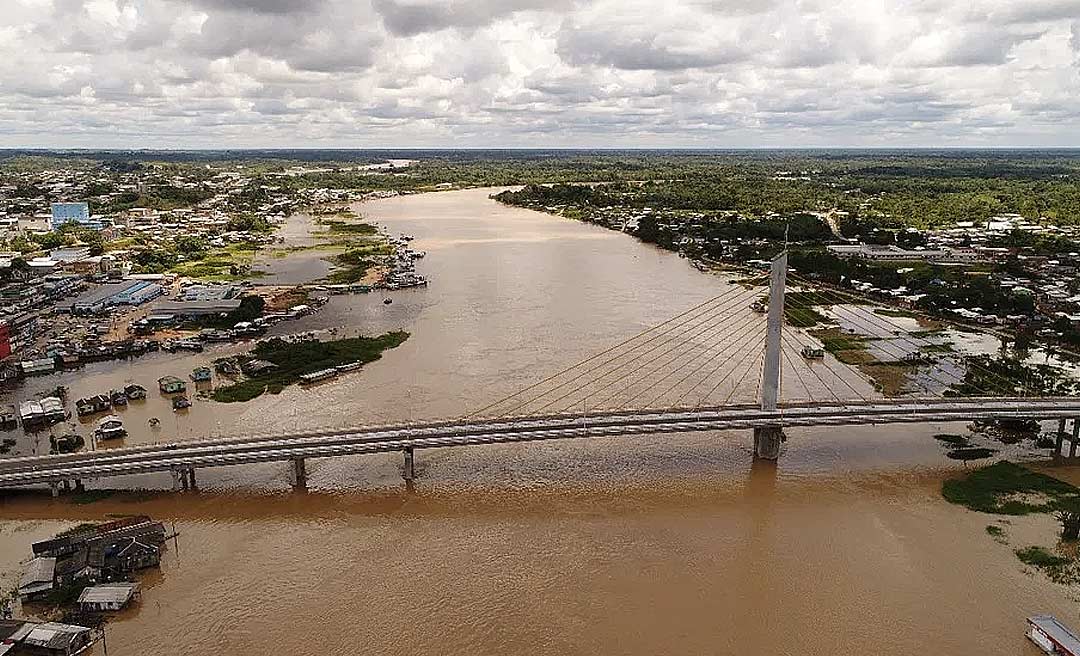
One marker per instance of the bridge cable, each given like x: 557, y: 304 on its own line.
x: 713, y: 324
x: 671, y: 334
x: 609, y: 350
x: 747, y: 330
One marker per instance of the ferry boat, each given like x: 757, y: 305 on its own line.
x: 109, y: 428
x: 1052, y: 636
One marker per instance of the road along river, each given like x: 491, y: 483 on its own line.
x: 659, y: 544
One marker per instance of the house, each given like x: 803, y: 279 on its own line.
x: 120, y: 556
x: 74, y: 568
x: 107, y: 596
x: 171, y: 385
x: 38, y: 579
x: 55, y: 639
x: 1052, y: 636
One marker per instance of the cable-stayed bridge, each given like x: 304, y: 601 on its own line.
x: 744, y: 359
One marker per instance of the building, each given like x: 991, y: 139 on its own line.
x: 5, y: 340
x: 128, y: 292
x: 1052, y: 636
x: 55, y: 639
x: 192, y: 309
x: 38, y: 580
x: 896, y: 254
x: 107, y: 596
x: 79, y: 213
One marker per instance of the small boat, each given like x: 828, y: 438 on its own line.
x: 9, y: 417
x: 813, y: 353
x: 135, y: 392
x: 118, y: 397
x: 387, y: 300
x: 180, y: 402
x: 759, y: 306
x: 69, y: 443
x: 201, y: 374
x: 111, y: 427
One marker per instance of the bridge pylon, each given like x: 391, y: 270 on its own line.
x: 767, y: 439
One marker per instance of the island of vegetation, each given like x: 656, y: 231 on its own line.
x: 277, y: 363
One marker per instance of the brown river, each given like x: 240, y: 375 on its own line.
x: 661, y: 544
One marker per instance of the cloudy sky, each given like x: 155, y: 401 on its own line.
x: 539, y: 73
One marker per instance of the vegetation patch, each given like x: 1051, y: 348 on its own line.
x: 1041, y: 558
x: 294, y: 359
x: 971, y: 453
x: 1005, y: 488
x: 952, y: 439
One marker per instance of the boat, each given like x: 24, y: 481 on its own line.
x: 813, y: 353
x: 316, y: 376
x: 181, y: 402
x: 201, y: 374
x: 118, y: 397
x: 9, y: 417
x: 387, y: 300
x: 68, y: 443
x: 759, y: 306
x: 93, y: 404
x: 350, y: 366
x: 135, y: 392
x: 1052, y: 636
x: 171, y: 385
x: 110, y: 428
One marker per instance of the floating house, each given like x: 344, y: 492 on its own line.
x: 47, y: 411
x: 1052, y: 636
x: 38, y: 579
x: 55, y: 639
x: 171, y: 385
x: 107, y: 597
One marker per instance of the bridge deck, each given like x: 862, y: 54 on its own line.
x: 331, y: 443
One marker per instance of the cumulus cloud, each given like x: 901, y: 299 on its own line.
x: 709, y: 73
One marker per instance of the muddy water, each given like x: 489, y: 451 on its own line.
x: 662, y: 544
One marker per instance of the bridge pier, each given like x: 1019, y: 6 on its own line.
x: 1059, y: 440
x: 54, y: 489
x: 79, y: 485
x: 409, y: 471
x: 767, y: 441
x: 191, y: 484
x: 176, y: 482
x: 299, y: 474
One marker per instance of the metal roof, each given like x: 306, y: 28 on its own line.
x: 38, y: 570
x: 108, y: 593
x: 1057, y: 632
x: 53, y: 635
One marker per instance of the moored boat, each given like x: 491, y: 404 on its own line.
x: 1052, y: 636
x: 110, y: 428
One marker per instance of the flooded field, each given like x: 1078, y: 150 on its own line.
x: 657, y: 544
